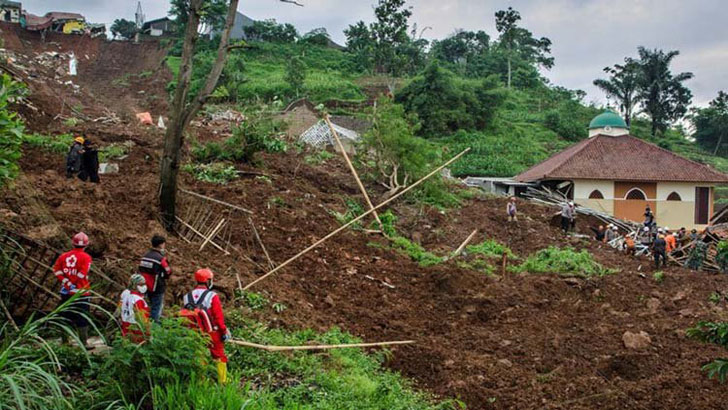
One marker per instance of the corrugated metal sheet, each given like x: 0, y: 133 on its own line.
x: 622, y: 158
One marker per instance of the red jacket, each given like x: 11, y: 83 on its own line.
x: 133, y: 306
x: 213, y: 306
x: 153, y: 266
x: 71, y: 269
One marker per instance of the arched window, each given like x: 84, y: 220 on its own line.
x: 636, y: 194
x: 674, y: 196
x: 596, y: 194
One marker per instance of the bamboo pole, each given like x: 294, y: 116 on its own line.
x: 213, y: 233
x: 9, y: 316
x: 316, y: 347
x: 240, y: 283
x: 464, y: 244
x: 357, y: 219
x: 198, y: 233
x: 239, y: 208
x: 271, y: 265
x: 353, y: 171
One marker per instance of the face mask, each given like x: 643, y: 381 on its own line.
x: 163, y: 251
x: 209, y: 284
x: 142, y: 289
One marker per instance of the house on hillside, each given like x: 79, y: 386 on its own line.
x: 238, y: 30
x: 158, y: 27
x: 67, y: 23
x: 10, y: 11
x: 616, y: 173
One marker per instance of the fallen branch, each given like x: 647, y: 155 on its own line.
x: 271, y: 265
x: 464, y: 244
x: 357, y: 219
x: 239, y: 208
x: 316, y: 347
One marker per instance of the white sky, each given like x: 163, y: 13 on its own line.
x: 587, y: 35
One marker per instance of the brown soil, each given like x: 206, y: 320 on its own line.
x: 517, y: 342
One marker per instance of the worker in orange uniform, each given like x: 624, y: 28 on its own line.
x: 71, y: 269
x: 135, y: 310
x: 670, y: 241
x: 204, y: 299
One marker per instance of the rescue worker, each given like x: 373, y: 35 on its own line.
x: 658, y: 250
x: 629, y: 245
x: 73, y: 159
x: 670, y: 241
x: 511, y: 210
x: 72, y: 269
x: 649, y: 217
x: 203, y: 296
x: 611, y: 234
x: 155, y: 269
x: 89, y: 162
x: 567, y: 214
x: 693, y: 235
x: 599, y: 233
x: 134, y: 309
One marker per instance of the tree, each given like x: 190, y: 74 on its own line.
x: 318, y: 36
x: 123, y: 28
x: 212, y: 14
x: 520, y: 44
x: 623, y: 85
x: 360, y: 42
x: 296, y: 74
x: 461, y: 47
x: 664, y: 97
x: 269, y: 30
x: 711, y: 124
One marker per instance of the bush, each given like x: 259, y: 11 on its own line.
x: 11, y: 128
x: 216, y: 172
x: 173, y: 354
x: 490, y: 248
x: 353, y: 210
x: 251, y: 137
x: 717, y: 333
x: 415, y: 251
x: 563, y: 261
x: 58, y: 144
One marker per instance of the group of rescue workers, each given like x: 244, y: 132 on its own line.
x: 660, y: 241
x: 201, y: 305
x: 83, y: 160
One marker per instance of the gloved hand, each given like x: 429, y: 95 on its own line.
x: 226, y: 336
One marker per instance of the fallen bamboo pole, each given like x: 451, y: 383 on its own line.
x: 464, y: 244
x: 240, y: 283
x: 271, y: 265
x: 355, y: 220
x: 239, y: 208
x: 200, y: 234
x: 353, y: 171
x: 212, y: 234
x: 316, y: 347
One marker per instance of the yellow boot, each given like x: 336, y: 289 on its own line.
x: 221, y: 372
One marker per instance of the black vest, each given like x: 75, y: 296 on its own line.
x: 151, y: 264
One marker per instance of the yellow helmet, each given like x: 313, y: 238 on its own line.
x: 80, y: 140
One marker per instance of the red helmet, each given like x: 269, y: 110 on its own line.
x: 203, y: 275
x: 80, y: 240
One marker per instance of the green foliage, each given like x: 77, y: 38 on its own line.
x: 71, y: 122
x: 122, y: 28
x: 11, y: 128
x: 252, y: 136
x: 388, y: 220
x: 519, y: 45
x: 715, y: 298
x: 721, y: 257
x: 415, y: 251
x: 296, y: 74
x: 717, y: 333
x: 444, y: 104
x: 171, y: 355
x: 254, y: 300
x: 215, y: 172
x: 271, y: 31
x: 490, y: 248
x: 114, y: 151
x: 711, y: 125
x: 623, y: 85
x: 697, y: 255
x: 58, y: 144
x: 658, y: 276
x: 353, y: 209
x: 318, y: 157
x: 563, y: 261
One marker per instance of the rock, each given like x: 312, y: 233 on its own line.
x: 653, y: 304
x: 6, y: 214
x: 687, y: 312
x: 636, y: 341
x: 329, y: 301
x: 505, y: 343
x: 681, y: 295
x: 50, y: 173
x: 108, y: 168
x: 505, y: 362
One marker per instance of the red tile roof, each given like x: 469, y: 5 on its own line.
x: 33, y: 22
x: 622, y: 158
x: 62, y: 15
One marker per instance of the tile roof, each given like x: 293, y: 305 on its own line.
x: 621, y: 158
x: 62, y: 15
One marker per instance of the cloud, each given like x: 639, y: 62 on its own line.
x: 587, y: 35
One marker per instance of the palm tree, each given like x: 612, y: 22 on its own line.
x: 622, y: 85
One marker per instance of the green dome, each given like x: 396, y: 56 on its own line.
x: 608, y: 118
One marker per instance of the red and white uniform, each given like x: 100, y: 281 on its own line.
x: 71, y: 269
x: 213, y: 306
x: 133, y: 306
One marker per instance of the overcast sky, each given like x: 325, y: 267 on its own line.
x: 587, y: 35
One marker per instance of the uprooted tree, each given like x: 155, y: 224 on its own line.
x: 183, y: 109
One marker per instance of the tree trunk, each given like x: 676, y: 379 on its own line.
x: 509, y: 65
x: 182, y: 113
x: 717, y: 146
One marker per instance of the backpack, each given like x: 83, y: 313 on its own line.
x: 195, y: 312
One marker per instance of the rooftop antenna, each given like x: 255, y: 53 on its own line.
x: 139, y: 16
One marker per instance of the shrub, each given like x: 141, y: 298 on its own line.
x: 710, y: 332
x: 353, y: 209
x: 564, y: 261
x: 58, y: 144
x: 490, y: 248
x: 658, y: 276
x: 11, y: 128
x: 721, y: 258
x: 251, y: 137
x: 173, y: 354
x: 415, y: 251
x: 216, y: 172
x: 254, y: 300
x: 318, y: 158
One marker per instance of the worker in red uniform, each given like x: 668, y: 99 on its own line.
x: 134, y: 309
x: 203, y: 297
x: 155, y: 269
x: 670, y: 241
x: 71, y: 269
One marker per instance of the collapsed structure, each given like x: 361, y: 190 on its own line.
x: 618, y: 174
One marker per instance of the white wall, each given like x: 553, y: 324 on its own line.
x: 584, y: 187
x: 686, y: 190
x: 608, y: 131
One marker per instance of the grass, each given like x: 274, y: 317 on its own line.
x: 490, y: 248
x: 220, y: 173
x: 318, y: 158
x: 58, y: 144
x: 415, y: 251
x: 563, y: 261
x: 658, y: 276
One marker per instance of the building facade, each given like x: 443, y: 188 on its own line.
x: 616, y: 173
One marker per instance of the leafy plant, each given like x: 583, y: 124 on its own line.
x: 216, y: 172
x: 71, y: 122
x: 717, y: 333
x: 415, y: 251
x: 490, y: 248
x: 114, y: 151
x: 58, y: 144
x: 251, y: 137
x: 658, y: 276
x: 715, y: 297
x: 353, y: 209
x: 721, y: 257
x: 254, y: 300
x: 564, y: 261
x: 11, y: 128
x: 279, y: 307
x: 318, y: 158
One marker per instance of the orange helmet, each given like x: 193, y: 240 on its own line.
x: 80, y: 240
x: 203, y: 275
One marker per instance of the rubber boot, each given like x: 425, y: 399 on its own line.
x: 221, y: 372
